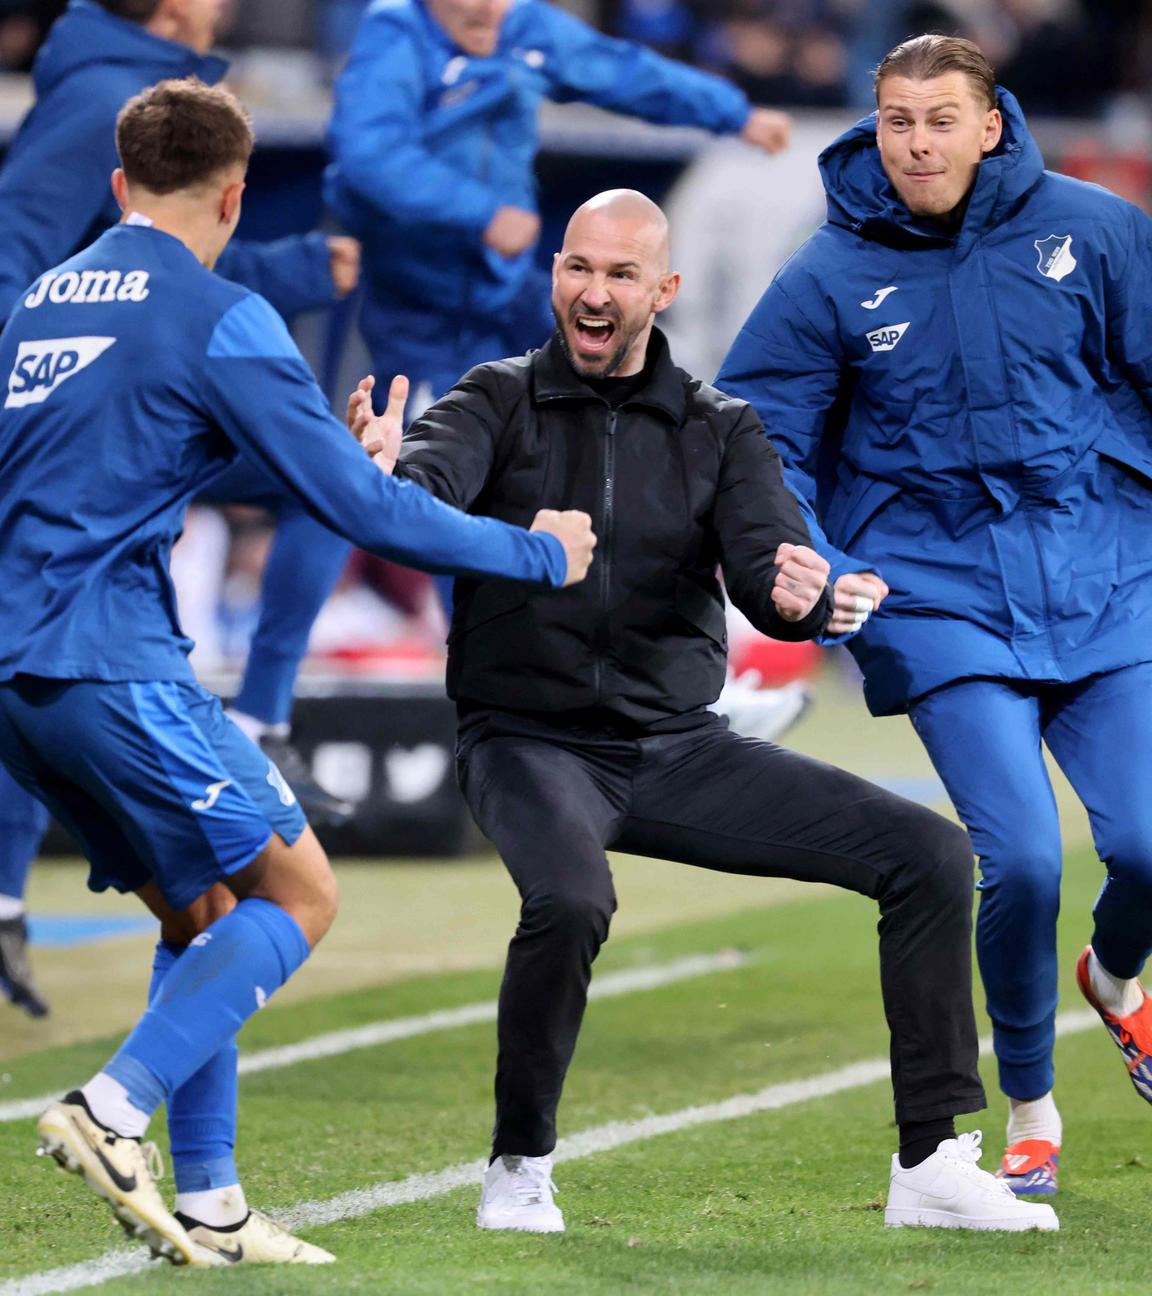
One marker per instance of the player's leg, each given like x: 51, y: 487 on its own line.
x: 304, y: 564
x: 547, y: 807
x: 1100, y: 731
x: 710, y: 798
x: 23, y: 822
x: 165, y: 788
x: 984, y: 739
x: 202, y: 1114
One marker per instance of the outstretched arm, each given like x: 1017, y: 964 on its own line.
x: 261, y: 392
x: 628, y: 78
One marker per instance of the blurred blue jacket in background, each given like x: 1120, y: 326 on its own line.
x: 428, y: 143
x: 55, y: 196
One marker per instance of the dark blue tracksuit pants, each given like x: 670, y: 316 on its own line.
x: 984, y: 737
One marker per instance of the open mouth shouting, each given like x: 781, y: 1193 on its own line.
x: 593, y: 333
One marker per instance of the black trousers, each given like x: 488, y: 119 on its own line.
x: 551, y: 799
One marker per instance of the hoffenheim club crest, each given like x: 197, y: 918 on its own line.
x: 1056, y: 259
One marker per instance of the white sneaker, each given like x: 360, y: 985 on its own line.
x: 764, y: 713
x: 949, y: 1190
x: 517, y: 1194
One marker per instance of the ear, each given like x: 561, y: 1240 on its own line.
x: 993, y: 129
x: 230, y: 198
x: 669, y: 287
x: 120, y: 188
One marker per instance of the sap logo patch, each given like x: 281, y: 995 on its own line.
x: 89, y: 288
x: 886, y: 337
x: 1055, y: 256
x: 42, y: 366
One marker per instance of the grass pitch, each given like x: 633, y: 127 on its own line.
x: 786, y: 1201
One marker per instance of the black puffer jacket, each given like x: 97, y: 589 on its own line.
x: 679, y: 480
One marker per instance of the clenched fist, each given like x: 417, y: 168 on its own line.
x: 574, y: 531
x: 857, y: 596
x: 801, y: 575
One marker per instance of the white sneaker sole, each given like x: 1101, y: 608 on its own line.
x: 519, y: 1226
x: 71, y: 1152
x: 910, y: 1217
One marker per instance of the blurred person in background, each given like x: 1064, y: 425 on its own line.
x: 789, y: 54
x: 957, y: 371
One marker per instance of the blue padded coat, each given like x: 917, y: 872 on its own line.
x: 971, y: 416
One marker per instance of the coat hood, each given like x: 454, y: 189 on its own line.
x: 861, y: 198
x: 88, y: 35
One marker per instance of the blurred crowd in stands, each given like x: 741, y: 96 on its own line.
x: 1061, y: 57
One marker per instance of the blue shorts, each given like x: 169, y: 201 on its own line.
x: 152, y: 778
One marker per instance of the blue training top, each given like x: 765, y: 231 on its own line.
x: 134, y: 375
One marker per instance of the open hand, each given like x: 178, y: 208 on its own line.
x: 379, y: 435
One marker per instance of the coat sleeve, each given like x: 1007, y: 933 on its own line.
x: 293, y: 273
x: 376, y: 136
x: 628, y: 78
x: 1129, y: 314
x: 259, y: 390
x: 789, y: 371
x: 753, y: 515
x: 451, y: 447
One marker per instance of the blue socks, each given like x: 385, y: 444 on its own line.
x: 202, y: 1112
x: 201, y: 998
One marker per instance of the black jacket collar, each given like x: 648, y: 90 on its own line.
x: 555, y: 379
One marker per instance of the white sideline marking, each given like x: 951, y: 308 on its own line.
x: 333, y: 1043
x: 601, y: 1138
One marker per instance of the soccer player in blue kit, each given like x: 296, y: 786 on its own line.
x: 134, y: 376
x: 54, y: 200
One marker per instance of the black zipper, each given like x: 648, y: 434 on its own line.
x: 604, y: 548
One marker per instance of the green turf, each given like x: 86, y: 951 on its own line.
x: 780, y: 1202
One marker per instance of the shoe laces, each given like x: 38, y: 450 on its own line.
x: 531, y: 1179
x: 153, y: 1161
x: 268, y: 1223
x: 964, y: 1152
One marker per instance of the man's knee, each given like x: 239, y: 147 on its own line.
x: 566, y: 914
x: 298, y: 878
x: 938, y: 859
x: 1128, y: 855
x: 183, y: 927
x: 1023, y: 872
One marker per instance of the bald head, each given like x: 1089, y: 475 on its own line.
x: 610, y: 280
x: 623, y: 216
